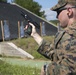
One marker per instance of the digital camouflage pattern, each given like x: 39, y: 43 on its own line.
x: 62, y: 3
x: 62, y: 52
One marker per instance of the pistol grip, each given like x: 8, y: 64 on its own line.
x: 28, y: 30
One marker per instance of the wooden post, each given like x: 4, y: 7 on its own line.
x: 19, y: 29
x: 2, y: 29
x: 40, y: 28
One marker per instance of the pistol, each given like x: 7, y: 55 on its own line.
x: 29, y: 19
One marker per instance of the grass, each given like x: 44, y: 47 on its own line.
x: 30, y: 46
x: 8, y: 69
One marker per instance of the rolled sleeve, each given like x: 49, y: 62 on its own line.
x: 46, y: 49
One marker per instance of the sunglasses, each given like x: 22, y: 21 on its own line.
x: 61, y: 9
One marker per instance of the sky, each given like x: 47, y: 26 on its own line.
x: 46, y: 5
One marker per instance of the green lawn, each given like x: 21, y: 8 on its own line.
x: 23, y: 62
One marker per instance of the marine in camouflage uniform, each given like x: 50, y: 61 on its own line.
x: 62, y: 52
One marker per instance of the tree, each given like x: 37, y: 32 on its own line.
x: 3, y: 0
x: 54, y: 21
x: 32, y: 6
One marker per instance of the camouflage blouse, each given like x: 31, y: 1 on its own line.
x: 63, y: 50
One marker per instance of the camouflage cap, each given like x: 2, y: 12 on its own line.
x: 62, y: 3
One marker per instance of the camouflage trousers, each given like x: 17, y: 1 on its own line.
x: 57, y: 69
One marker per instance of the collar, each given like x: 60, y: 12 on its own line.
x: 71, y: 29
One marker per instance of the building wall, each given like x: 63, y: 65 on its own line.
x: 12, y: 13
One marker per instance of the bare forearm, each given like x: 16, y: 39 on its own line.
x: 38, y: 38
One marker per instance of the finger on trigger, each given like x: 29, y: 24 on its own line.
x: 31, y: 24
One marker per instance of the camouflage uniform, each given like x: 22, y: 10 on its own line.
x: 62, y: 3
x: 62, y: 53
